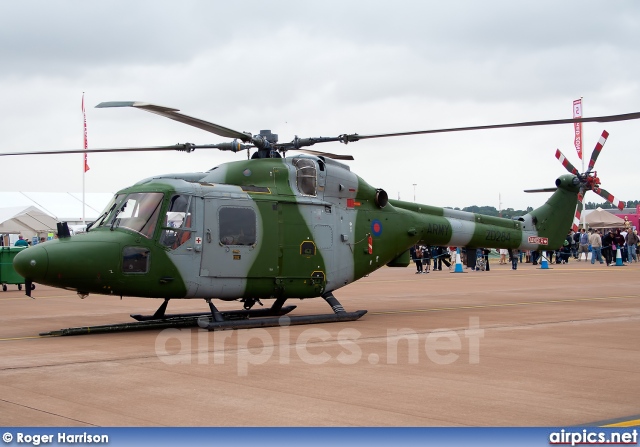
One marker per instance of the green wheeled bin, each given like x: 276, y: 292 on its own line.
x: 8, y: 275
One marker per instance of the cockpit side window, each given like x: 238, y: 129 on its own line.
x: 139, y: 212
x: 306, y: 176
x: 178, y: 221
x: 135, y: 260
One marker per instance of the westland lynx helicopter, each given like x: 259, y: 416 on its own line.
x: 271, y: 227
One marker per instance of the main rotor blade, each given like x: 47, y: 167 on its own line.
x: 609, y: 197
x: 596, y: 119
x: 177, y: 147
x: 173, y: 114
x: 560, y: 156
x: 233, y: 146
x: 325, y: 154
x: 597, y: 149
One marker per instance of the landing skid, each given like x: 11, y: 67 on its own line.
x: 216, y: 320
x: 280, y: 321
x: 215, y: 323
x: 125, y: 327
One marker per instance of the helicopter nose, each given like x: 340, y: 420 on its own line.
x: 32, y: 263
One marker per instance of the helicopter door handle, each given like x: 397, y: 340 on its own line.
x: 208, y: 235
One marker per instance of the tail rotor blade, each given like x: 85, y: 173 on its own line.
x: 579, y: 207
x: 609, y: 197
x: 568, y: 166
x: 597, y: 149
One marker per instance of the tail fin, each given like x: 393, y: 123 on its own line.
x: 553, y: 219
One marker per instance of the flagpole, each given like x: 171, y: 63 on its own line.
x: 83, y: 201
x: 84, y: 156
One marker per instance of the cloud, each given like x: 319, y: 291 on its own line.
x: 322, y: 69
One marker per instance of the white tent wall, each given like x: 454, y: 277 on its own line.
x: 28, y: 221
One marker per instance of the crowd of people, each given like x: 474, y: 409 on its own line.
x: 21, y: 241
x: 424, y: 256
x: 594, y: 245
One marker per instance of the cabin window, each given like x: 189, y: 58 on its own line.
x: 178, y: 219
x: 306, y: 176
x: 237, y: 225
x: 135, y: 260
x: 139, y: 212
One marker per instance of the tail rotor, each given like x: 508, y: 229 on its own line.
x: 589, y: 180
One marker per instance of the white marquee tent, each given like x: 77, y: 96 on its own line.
x: 26, y: 220
x: 600, y: 218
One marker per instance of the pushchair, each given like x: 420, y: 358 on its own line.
x: 480, y: 262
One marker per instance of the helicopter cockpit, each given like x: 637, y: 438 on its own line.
x: 137, y: 211
x: 140, y: 212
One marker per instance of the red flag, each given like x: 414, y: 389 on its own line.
x: 577, y: 113
x: 86, y: 144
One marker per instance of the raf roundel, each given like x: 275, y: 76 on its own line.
x: 376, y: 227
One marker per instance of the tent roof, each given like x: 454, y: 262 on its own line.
x: 26, y: 219
x: 61, y: 205
x: 600, y: 218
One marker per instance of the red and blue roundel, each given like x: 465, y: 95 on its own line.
x: 376, y: 227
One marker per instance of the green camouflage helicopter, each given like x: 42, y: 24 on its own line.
x: 272, y: 227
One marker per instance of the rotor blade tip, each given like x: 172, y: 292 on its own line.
x: 115, y: 104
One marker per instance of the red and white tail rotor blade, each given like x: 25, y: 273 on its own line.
x: 579, y: 207
x: 597, y: 149
x: 609, y: 197
x: 568, y: 166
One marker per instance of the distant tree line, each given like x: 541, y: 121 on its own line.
x: 510, y: 212
x: 607, y: 205
x: 492, y: 211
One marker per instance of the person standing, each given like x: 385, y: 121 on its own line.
x: 596, y: 247
x: 486, y: 252
x: 583, y: 245
x: 437, y: 261
x: 503, y: 255
x: 575, y: 242
x: 21, y: 242
x: 472, y: 258
x: 632, y: 242
x: 416, y: 254
x: 514, y: 258
x: 607, y: 246
x: 535, y: 255
x: 426, y: 259
x: 618, y: 240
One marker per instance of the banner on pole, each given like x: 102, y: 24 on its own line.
x: 577, y: 113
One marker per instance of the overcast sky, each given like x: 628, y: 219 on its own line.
x: 324, y: 69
